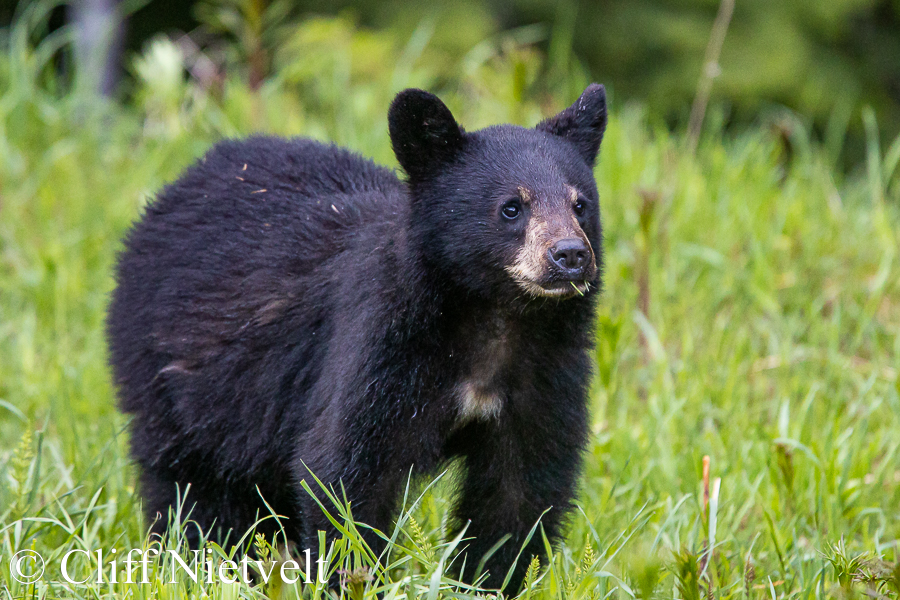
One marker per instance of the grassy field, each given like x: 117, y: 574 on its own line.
x: 751, y: 314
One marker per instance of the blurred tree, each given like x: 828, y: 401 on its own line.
x: 98, y: 44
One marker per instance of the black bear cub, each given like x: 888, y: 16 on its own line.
x: 289, y: 307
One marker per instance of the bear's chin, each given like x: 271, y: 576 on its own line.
x: 556, y: 289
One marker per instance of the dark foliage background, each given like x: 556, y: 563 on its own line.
x: 824, y: 60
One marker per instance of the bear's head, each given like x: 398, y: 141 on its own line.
x: 504, y: 211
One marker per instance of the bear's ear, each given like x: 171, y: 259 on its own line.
x: 583, y: 123
x: 424, y: 133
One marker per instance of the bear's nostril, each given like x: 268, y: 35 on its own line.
x: 569, y: 254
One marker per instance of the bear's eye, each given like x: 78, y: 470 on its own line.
x: 579, y: 207
x: 511, y: 209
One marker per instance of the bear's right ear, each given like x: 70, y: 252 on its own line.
x: 424, y: 133
x: 583, y: 123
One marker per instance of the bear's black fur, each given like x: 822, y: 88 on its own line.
x: 288, y: 305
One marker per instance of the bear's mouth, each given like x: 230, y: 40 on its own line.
x: 556, y: 289
x: 566, y: 288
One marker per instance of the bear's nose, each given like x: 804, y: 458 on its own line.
x: 569, y: 254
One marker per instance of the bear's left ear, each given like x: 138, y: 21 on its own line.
x: 583, y: 123
x: 424, y: 134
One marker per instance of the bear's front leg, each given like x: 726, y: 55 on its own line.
x: 334, y: 459
x: 513, y: 478
x: 367, y: 460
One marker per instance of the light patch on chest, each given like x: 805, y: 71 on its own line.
x: 478, y: 403
x: 480, y: 394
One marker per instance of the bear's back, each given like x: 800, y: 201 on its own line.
x: 265, y: 199
x: 270, y: 176
x: 264, y: 204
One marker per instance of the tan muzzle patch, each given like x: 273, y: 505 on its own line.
x: 533, y: 271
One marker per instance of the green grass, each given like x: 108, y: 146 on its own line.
x: 770, y: 342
